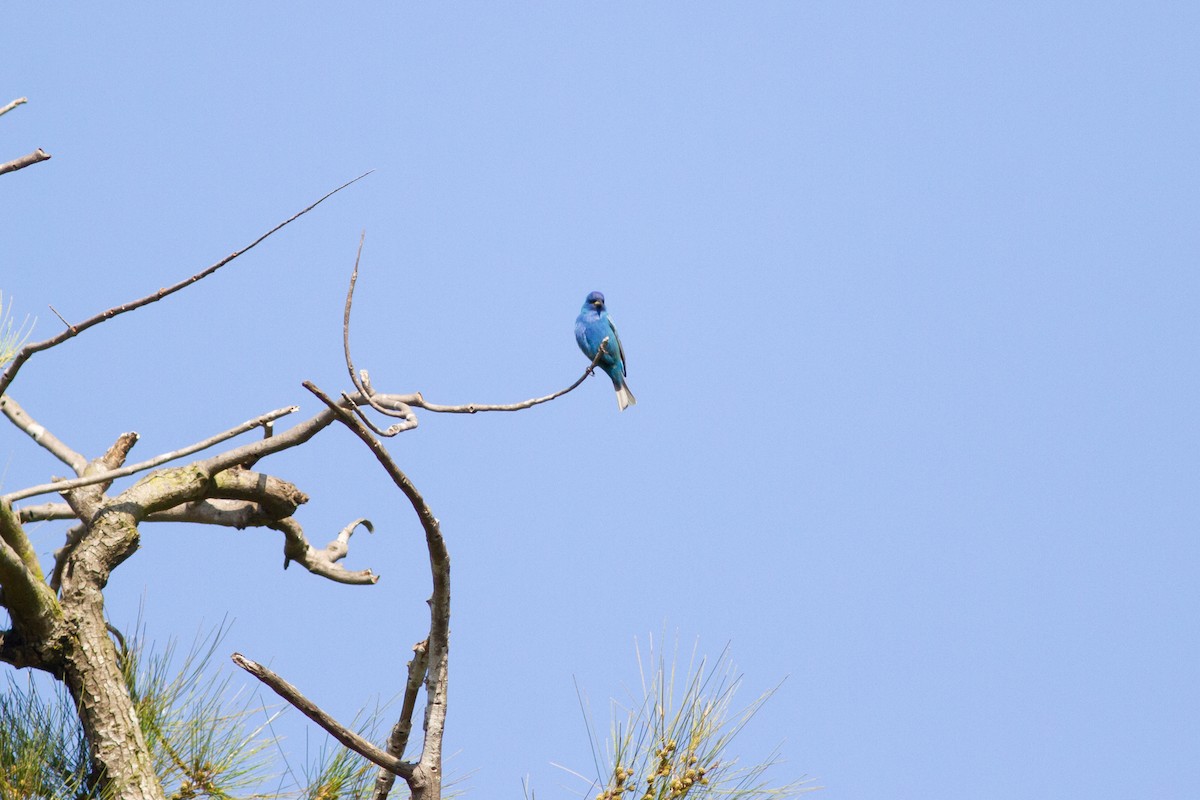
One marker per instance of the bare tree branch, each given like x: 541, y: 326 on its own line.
x: 320, y: 562
x: 45, y: 512
x: 408, y: 420
x: 61, y: 486
x: 19, y: 417
x: 427, y: 777
x: 232, y: 513
x: 73, y: 330
x: 29, y: 160
x: 240, y: 514
x: 278, y: 497
x: 335, y: 729
x: 362, y: 380
x: 473, y: 408
x: 418, y: 401
x: 19, y: 101
x: 86, y: 501
x: 296, y: 435
x: 398, y: 739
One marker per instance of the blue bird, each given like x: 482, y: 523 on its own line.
x: 592, y: 327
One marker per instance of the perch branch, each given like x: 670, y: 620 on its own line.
x: 473, y: 408
x: 62, y: 486
x: 418, y: 401
x: 335, y: 729
x: 24, y: 161
x: 362, y: 381
x: 73, y: 330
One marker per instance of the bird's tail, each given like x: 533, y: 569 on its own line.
x: 625, y: 398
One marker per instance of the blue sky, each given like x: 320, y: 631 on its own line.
x: 909, y: 296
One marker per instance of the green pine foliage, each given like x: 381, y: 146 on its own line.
x: 43, y: 755
x: 209, y: 741
x: 674, y: 741
x: 12, y: 338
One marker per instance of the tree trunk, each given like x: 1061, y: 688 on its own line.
x: 120, y: 756
x: 121, y: 759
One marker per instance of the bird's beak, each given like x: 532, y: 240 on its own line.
x: 597, y: 303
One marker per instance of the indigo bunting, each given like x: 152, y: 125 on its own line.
x: 591, y: 328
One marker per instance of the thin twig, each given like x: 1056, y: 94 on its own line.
x: 20, y: 417
x: 418, y: 401
x: 104, y: 477
x: 346, y: 313
x: 19, y: 101
x: 73, y: 330
x: 24, y: 161
x: 398, y: 739
x: 473, y: 408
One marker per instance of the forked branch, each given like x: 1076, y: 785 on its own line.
x: 47, y: 440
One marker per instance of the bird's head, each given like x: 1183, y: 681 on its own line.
x: 595, y: 300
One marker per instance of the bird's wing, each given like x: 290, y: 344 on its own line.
x: 620, y: 350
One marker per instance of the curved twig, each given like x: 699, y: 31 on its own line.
x: 408, y: 420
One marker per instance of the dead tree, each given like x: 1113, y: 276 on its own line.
x: 30, y: 158
x: 58, y: 621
